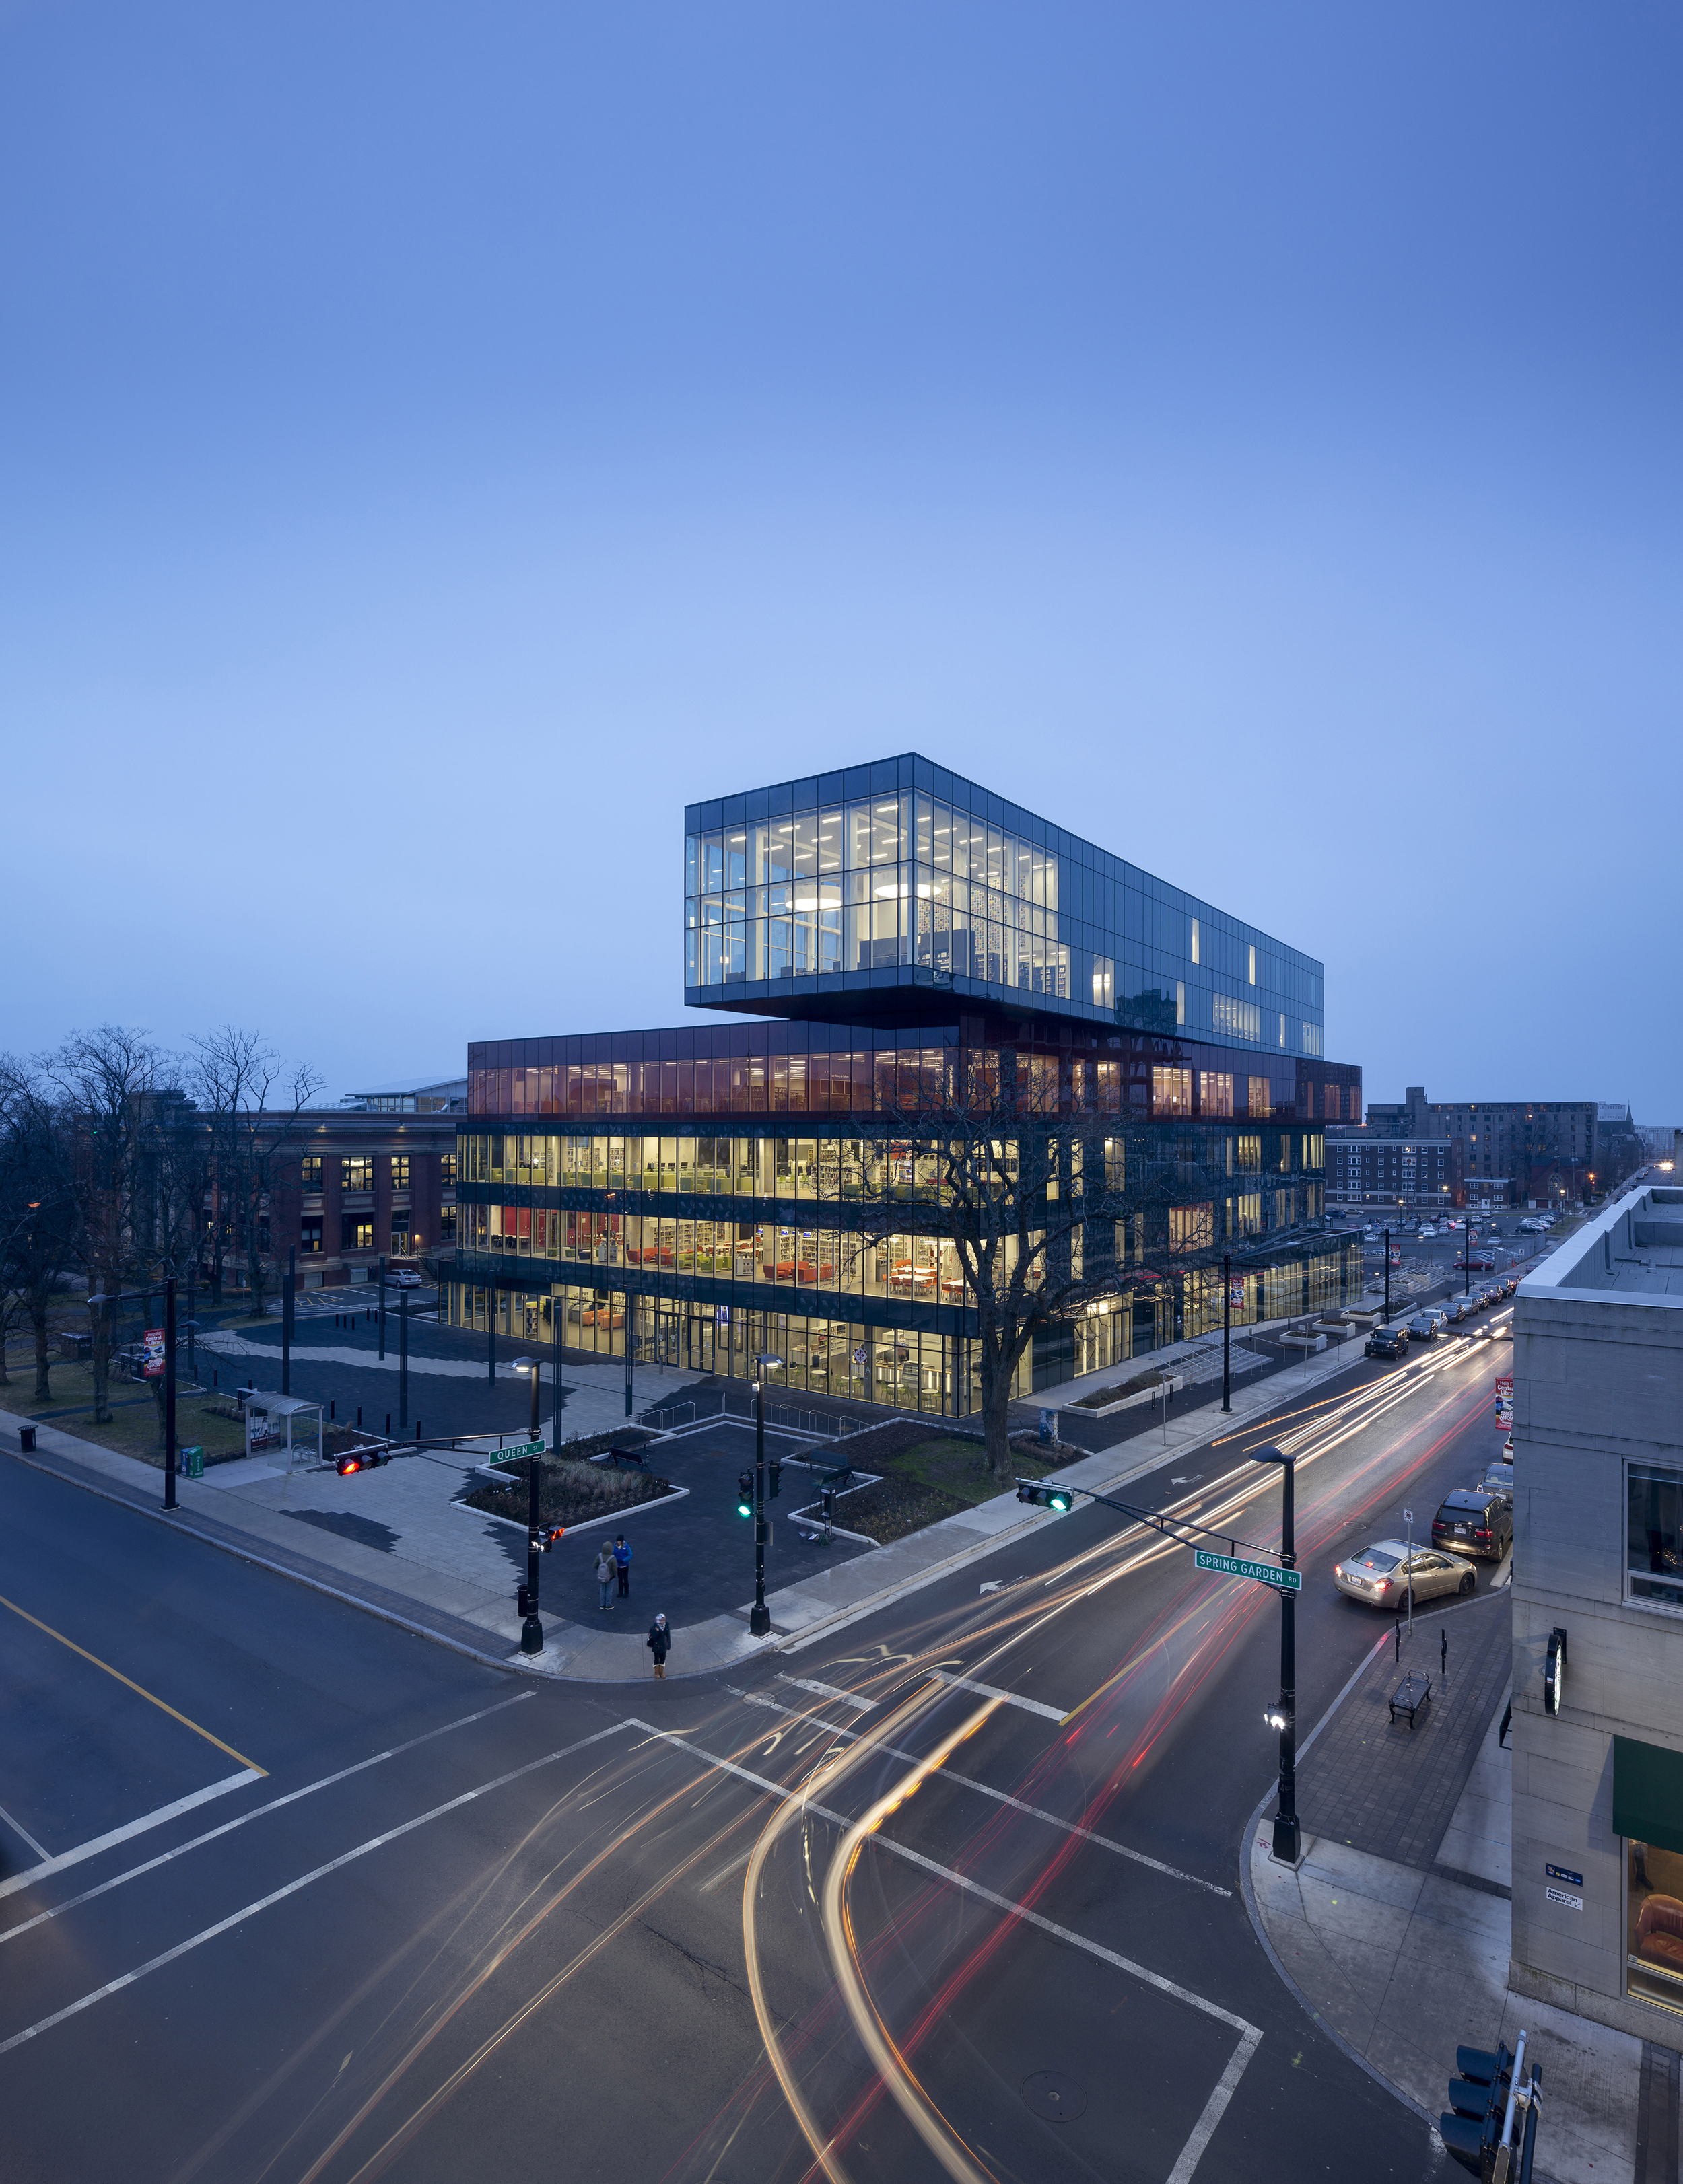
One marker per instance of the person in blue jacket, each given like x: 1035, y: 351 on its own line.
x: 622, y: 1561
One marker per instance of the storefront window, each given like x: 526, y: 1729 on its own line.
x: 1654, y: 1524
x: 1654, y: 1930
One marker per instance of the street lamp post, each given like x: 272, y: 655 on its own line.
x: 760, y: 1616
x: 531, y: 1631
x: 170, y: 1393
x: 382, y: 1307
x: 1227, y: 1331
x: 1288, y: 1839
x: 1387, y: 1277
x: 288, y: 1305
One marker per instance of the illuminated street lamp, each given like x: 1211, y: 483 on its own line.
x: 760, y: 1616
x: 531, y: 1631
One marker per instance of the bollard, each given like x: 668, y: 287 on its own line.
x: 1443, y: 1656
x: 333, y: 1407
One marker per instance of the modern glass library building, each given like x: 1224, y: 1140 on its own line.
x: 707, y: 1194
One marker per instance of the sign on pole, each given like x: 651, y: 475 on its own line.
x: 152, y: 1340
x: 516, y: 1455
x: 1235, y: 1292
x: 1283, y: 1580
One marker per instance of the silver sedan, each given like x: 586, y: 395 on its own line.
x: 1379, y: 1574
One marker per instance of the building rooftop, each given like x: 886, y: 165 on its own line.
x: 1632, y: 1251
x: 901, y: 887
x: 411, y: 1095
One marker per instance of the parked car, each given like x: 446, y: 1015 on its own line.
x: 1498, y: 1477
x: 1386, y: 1342
x: 1473, y: 1521
x: 1454, y: 1310
x: 1381, y: 1574
x: 404, y: 1278
x: 1423, y: 1326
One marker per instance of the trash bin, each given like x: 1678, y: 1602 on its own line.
x: 27, y: 1440
x: 191, y: 1461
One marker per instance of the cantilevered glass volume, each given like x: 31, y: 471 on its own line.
x: 701, y: 1194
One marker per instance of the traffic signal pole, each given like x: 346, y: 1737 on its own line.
x: 760, y: 1616
x: 531, y: 1631
x: 1227, y: 1332
x: 1288, y: 1836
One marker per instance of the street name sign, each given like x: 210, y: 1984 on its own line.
x: 1284, y: 1580
x: 514, y: 1455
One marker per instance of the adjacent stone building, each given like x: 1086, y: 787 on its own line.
x: 1598, y: 1622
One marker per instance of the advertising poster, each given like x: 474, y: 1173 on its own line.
x: 153, y: 1342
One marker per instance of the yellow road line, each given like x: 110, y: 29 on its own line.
x: 149, y: 1697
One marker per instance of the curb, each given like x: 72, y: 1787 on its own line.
x: 191, y: 1531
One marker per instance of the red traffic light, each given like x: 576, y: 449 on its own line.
x: 349, y: 1464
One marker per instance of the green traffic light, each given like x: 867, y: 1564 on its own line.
x: 1058, y: 1498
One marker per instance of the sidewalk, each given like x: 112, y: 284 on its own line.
x: 1393, y: 1931
x: 394, y: 1541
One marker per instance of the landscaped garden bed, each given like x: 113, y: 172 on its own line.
x: 570, y: 1491
x: 924, y: 1477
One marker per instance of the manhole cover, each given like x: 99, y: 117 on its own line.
x: 1050, y: 2094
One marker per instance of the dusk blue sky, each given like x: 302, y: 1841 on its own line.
x: 438, y: 443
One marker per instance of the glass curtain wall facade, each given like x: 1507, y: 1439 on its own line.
x: 697, y: 1195
x: 883, y: 878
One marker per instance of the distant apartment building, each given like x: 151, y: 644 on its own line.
x: 1368, y: 1172
x: 1514, y: 1151
x: 1597, y: 1913
x: 375, y: 1176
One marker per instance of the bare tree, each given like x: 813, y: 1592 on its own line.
x: 252, y: 1110
x: 38, y: 1206
x: 107, y: 1081
x: 1039, y: 1196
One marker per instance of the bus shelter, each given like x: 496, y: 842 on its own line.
x: 270, y: 1418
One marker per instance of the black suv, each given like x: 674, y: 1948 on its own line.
x: 1387, y: 1342
x: 1474, y: 1520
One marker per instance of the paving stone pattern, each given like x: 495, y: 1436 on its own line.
x: 1382, y: 1787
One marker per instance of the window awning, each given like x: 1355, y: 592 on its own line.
x: 1648, y: 1793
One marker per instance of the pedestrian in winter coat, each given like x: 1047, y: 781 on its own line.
x: 605, y: 1575
x: 659, y: 1638
x: 622, y: 1563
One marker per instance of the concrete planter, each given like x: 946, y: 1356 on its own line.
x: 1304, y: 1342
x: 1174, y: 1383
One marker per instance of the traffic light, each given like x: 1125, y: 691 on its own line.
x: 361, y: 1459
x: 776, y: 1470
x: 1491, y: 2128
x: 744, y: 1493
x: 1046, y: 1497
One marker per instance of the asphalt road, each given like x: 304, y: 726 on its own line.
x: 461, y: 1925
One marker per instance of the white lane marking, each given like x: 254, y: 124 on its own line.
x: 971, y: 1887
x: 829, y: 1692
x: 257, y: 1812
x: 18, y: 1829
x: 292, y: 1888
x: 999, y: 1797
x: 993, y: 1691
x: 1214, y: 2108
x: 992, y: 1585
x: 139, y: 1827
